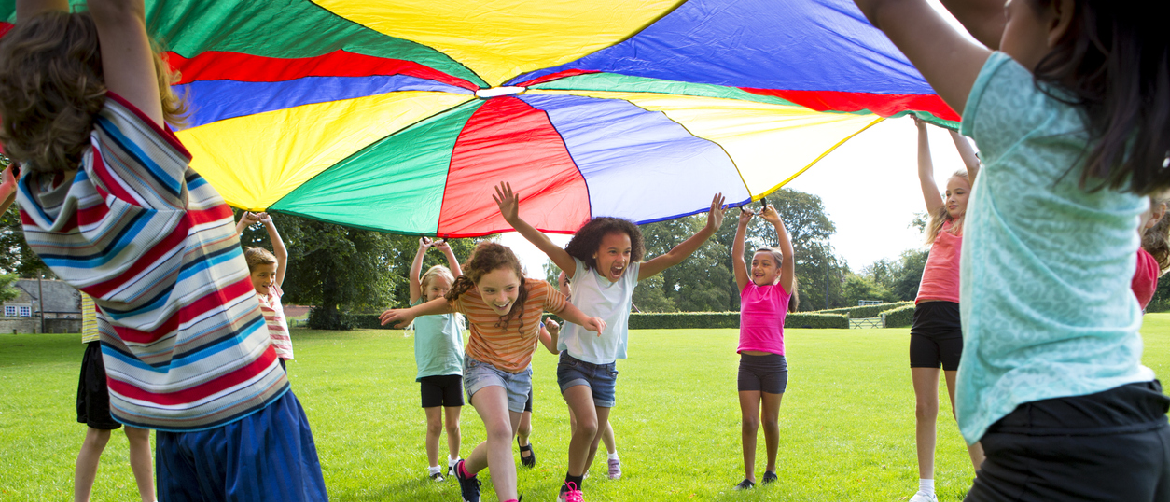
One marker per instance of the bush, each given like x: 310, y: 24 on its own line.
x: 817, y: 321
x: 900, y: 317
x: 331, y: 320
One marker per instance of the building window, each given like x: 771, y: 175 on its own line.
x: 10, y: 311
x: 25, y: 311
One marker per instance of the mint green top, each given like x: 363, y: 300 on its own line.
x: 438, y: 344
x: 1046, y: 267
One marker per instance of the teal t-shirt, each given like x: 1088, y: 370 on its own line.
x: 438, y: 344
x: 1046, y: 268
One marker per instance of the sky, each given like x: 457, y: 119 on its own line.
x: 869, y: 187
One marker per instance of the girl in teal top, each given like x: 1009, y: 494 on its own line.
x: 438, y: 351
x: 1072, y: 121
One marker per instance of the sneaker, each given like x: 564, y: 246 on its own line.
x: 437, y: 477
x: 469, y: 487
x: 769, y: 476
x: 745, y: 485
x: 451, y: 466
x: 570, y: 493
x: 922, y: 496
x: 615, y: 468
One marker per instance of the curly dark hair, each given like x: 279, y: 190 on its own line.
x: 587, y: 240
x: 52, y: 85
x: 485, y: 258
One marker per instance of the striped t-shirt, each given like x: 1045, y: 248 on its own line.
x: 184, y: 344
x: 508, y: 345
x: 273, y: 312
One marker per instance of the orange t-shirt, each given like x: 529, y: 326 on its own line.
x: 940, y: 278
x: 509, y: 346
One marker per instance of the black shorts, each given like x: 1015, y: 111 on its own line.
x: 1112, y: 445
x: 528, y: 403
x: 93, y: 395
x: 763, y: 373
x: 936, y: 336
x: 441, y: 390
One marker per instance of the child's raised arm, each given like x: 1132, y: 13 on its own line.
x: 402, y: 317
x: 127, y: 62
x: 278, y: 248
x: 948, y: 60
x: 416, y: 270
x: 687, y: 247
x: 930, y: 190
x: 963, y: 145
x: 509, y: 203
x: 788, y: 266
x: 737, y: 264
x: 984, y: 19
x: 246, y: 220
x: 456, y: 270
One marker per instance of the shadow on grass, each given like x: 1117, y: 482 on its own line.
x: 419, y: 489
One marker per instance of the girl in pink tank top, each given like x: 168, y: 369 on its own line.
x: 936, y: 337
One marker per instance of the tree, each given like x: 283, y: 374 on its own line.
x: 7, y: 292
x: 16, y: 257
x: 858, y: 287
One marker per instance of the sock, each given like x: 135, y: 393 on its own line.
x: 926, y: 486
x: 463, y: 471
x: 433, y: 469
x: 612, y: 456
x: 451, y: 461
x: 576, y: 480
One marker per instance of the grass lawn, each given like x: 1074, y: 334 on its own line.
x: 846, y: 424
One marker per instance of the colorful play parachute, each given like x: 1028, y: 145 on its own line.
x: 400, y: 115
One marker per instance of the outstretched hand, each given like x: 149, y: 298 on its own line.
x: 746, y: 214
x: 715, y: 214
x: 508, y: 201
x: 398, y: 317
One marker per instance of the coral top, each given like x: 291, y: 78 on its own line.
x: 940, y: 278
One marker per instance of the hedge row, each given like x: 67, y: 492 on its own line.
x: 865, y: 310
x: 899, y: 317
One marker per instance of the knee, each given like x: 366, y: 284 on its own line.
x: 434, y: 428
x: 137, y: 436
x: 751, y: 424
x: 586, y: 428
x: 771, y: 422
x: 524, y: 431
x: 453, y: 429
x: 926, y: 411
x: 97, y: 438
x: 499, y: 433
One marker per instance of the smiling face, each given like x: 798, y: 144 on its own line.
x: 765, y: 268
x: 436, y: 287
x: 958, y: 189
x: 499, y: 289
x: 613, y: 255
x: 263, y: 277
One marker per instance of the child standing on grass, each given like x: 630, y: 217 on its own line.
x: 267, y: 269
x: 438, y: 352
x: 1071, y: 121
x: 1153, y: 257
x: 764, y: 291
x: 93, y: 409
x: 110, y: 203
x: 936, y: 333
x: 503, y: 309
x: 604, y: 262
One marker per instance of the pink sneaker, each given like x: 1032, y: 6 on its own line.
x: 570, y: 493
x: 615, y: 468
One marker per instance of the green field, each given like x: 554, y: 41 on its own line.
x: 846, y: 425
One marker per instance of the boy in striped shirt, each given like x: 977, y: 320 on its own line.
x: 266, y: 269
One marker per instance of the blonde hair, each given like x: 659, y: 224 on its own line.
x: 258, y: 256
x: 941, y: 216
x: 435, y: 271
x: 52, y: 85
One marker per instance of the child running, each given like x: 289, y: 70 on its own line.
x: 1153, y: 257
x: 109, y: 202
x: 936, y: 334
x: 1071, y: 122
x: 504, y: 309
x: 764, y: 291
x: 438, y: 352
x: 549, y: 331
x: 267, y: 270
x: 603, y: 260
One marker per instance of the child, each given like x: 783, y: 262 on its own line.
x: 503, y: 308
x: 267, y: 270
x: 549, y: 331
x: 93, y: 409
x: 1153, y: 257
x: 763, y: 368
x: 936, y: 335
x: 438, y: 352
x: 109, y: 202
x: 1071, y: 123
x: 598, y: 260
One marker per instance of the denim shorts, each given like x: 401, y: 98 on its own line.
x: 601, y: 378
x: 478, y: 374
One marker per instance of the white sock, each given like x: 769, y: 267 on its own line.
x: 433, y: 470
x: 451, y: 461
x: 926, y: 486
x: 612, y: 456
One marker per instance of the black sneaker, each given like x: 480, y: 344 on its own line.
x: 437, y: 477
x: 769, y: 476
x: 469, y: 487
x: 745, y: 485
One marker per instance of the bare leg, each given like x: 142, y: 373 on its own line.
x: 141, y: 463
x: 925, y: 417
x: 974, y: 450
x: 496, y: 453
x: 610, y: 442
x: 749, y: 407
x: 580, y: 401
x: 454, y: 436
x: 770, y: 419
x: 525, y: 428
x: 87, y: 462
x: 434, y: 430
x: 602, y: 423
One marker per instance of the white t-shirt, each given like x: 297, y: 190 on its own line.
x: 595, y: 296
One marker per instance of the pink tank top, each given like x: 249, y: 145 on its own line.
x: 940, y: 278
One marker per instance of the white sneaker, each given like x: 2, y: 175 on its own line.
x: 924, y: 497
